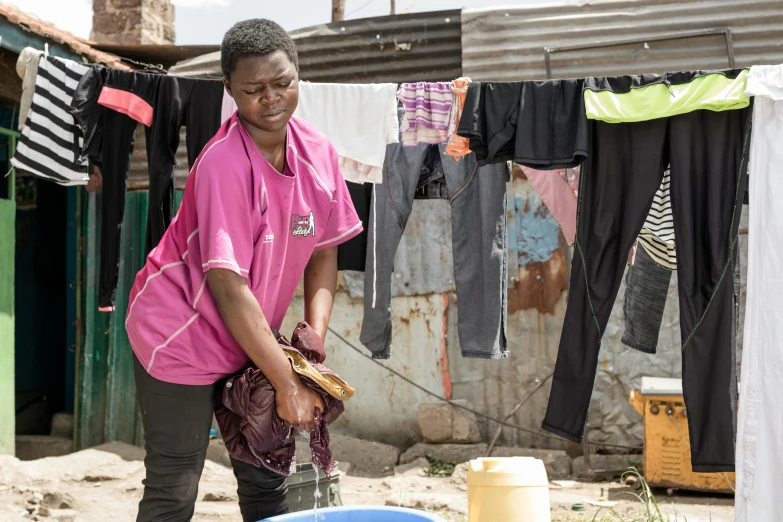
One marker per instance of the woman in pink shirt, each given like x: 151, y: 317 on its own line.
x: 265, y: 205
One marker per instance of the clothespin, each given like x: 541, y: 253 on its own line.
x: 46, y: 51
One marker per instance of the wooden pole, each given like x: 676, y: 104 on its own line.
x: 393, y: 10
x: 338, y: 10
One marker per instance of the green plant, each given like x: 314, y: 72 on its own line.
x: 438, y: 468
x: 651, y: 512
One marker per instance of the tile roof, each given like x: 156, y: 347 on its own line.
x: 78, y: 45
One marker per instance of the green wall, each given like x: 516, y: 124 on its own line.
x: 7, y: 394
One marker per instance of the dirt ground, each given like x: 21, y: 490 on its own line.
x: 104, y: 483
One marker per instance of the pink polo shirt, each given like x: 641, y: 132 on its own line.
x: 241, y: 214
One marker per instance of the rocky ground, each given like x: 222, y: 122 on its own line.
x: 104, y: 483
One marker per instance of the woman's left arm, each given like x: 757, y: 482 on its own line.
x: 320, y: 284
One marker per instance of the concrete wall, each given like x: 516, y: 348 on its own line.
x: 426, y: 347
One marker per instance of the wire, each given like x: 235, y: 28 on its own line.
x: 516, y: 409
x: 359, y: 8
x: 457, y: 405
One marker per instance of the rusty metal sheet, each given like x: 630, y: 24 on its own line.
x: 536, y: 244
x: 384, y: 407
x: 424, y: 263
x: 508, y: 43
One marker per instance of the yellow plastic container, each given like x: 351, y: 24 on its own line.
x: 508, y: 490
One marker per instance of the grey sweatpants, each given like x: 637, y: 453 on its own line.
x: 478, y: 223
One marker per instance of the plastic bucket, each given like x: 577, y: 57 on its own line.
x: 513, y: 489
x: 359, y: 514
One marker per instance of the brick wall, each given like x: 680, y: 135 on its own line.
x: 133, y: 22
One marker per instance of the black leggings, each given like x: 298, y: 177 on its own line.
x: 194, y: 104
x: 623, y: 170
x: 177, y: 419
x: 108, y: 141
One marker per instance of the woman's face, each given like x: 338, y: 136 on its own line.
x: 266, y: 90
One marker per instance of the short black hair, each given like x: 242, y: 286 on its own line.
x: 256, y: 37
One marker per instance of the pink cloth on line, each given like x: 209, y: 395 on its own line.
x: 558, y: 190
x: 126, y: 103
x: 239, y: 214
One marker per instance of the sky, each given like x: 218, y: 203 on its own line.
x: 205, y: 21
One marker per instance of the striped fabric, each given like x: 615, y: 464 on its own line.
x: 51, y: 142
x: 427, y: 112
x: 657, y: 235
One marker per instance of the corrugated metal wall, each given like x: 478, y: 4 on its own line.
x: 395, y: 49
x: 401, y: 48
x: 507, y: 44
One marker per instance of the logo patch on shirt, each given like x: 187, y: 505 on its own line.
x: 303, y: 226
x: 269, y: 238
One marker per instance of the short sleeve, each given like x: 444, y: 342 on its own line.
x: 343, y: 223
x: 223, y: 205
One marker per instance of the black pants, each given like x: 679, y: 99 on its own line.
x: 189, y: 102
x: 177, y: 419
x: 108, y: 142
x: 623, y: 170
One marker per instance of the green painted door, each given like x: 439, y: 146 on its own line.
x: 106, y: 399
x: 7, y: 256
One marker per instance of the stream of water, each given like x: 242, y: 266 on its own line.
x: 317, y: 495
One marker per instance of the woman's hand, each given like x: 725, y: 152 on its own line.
x: 296, y: 404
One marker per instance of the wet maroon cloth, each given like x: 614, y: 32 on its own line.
x: 248, y: 420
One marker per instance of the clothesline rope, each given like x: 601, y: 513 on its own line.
x: 457, y: 405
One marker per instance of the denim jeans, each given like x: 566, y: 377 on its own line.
x: 478, y: 222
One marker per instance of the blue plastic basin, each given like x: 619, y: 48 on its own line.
x: 359, y: 514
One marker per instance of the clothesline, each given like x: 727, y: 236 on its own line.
x: 660, y: 158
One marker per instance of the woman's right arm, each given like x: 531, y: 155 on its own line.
x: 295, y: 402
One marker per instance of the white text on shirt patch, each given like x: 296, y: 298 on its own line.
x: 269, y: 238
x: 303, y: 226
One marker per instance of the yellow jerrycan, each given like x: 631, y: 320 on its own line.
x: 512, y: 489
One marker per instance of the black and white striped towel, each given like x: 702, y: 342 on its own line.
x: 51, y: 141
x: 657, y: 235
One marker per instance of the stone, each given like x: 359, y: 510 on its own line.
x: 127, y: 452
x: 57, y: 500
x: 62, y: 425
x: 368, y: 459
x: 608, y: 465
x: 441, y: 422
x: 124, y: 4
x: 108, y: 24
x: 460, y: 475
x: 64, y: 515
x: 418, y: 464
x: 557, y: 463
x: 218, y: 497
x: 34, y: 447
x: 169, y: 33
x: 133, y: 22
x: 456, y: 453
x: 217, y: 452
